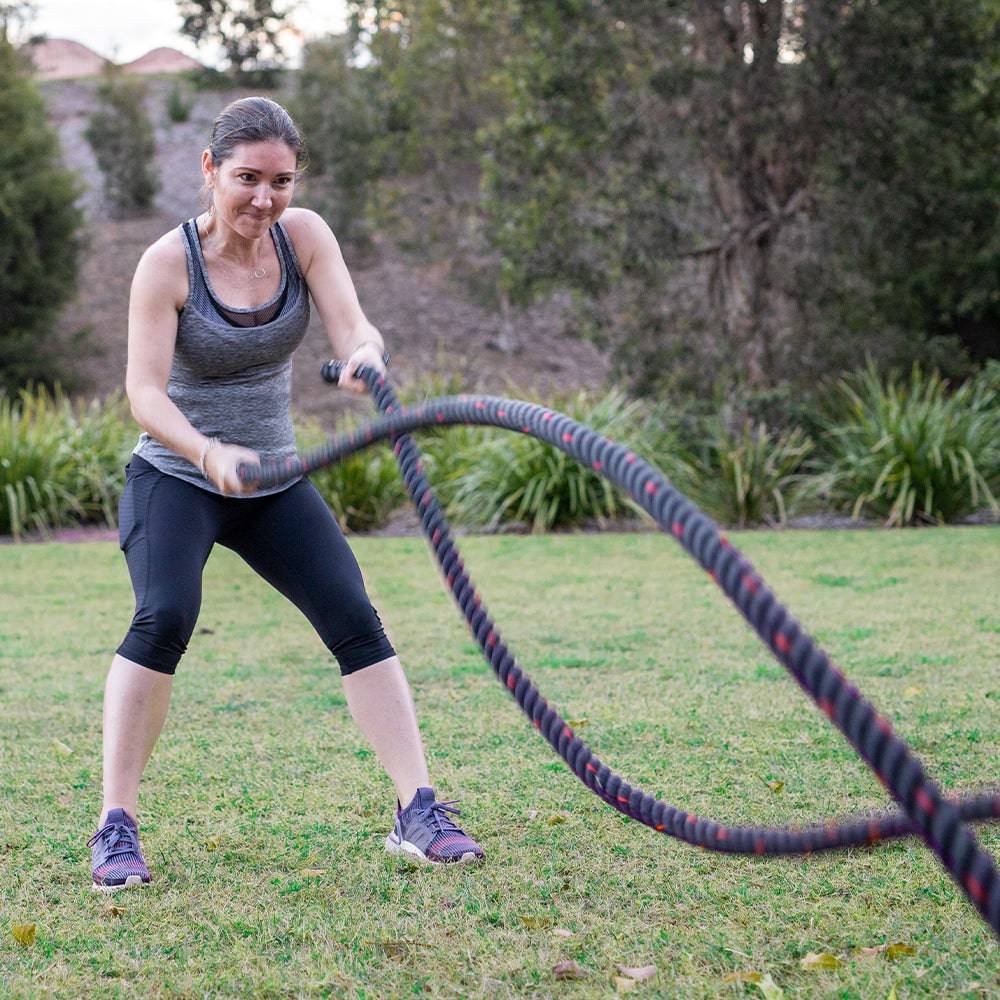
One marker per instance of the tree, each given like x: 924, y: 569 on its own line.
x: 338, y: 108
x: 121, y: 135
x: 247, y: 31
x: 919, y: 170
x: 754, y: 190
x: 15, y: 18
x: 698, y: 169
x: 429, y: 81
x: 40, y: 227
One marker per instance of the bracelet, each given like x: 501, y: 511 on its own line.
x: 209, y: 444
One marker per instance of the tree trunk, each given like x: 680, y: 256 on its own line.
x: 507, y: 340
x: 740, y: 284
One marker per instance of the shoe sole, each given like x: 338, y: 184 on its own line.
x: 130, y: 883
x: 393, y: 846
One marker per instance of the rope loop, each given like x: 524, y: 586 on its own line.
x: 926, y: 811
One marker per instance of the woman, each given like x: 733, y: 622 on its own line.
x: 217, y: 307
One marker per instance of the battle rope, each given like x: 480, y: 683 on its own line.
x: 927, y: 812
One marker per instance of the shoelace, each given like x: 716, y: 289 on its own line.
x: 125, y: 840
x: 436, y: 814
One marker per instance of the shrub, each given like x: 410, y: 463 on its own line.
x: 208, y: 78
x: 121, y: 135
x: 362, y: 490
x: 493, y: 478
x: 745, y: 474
x: 40, y: 228
x: 912, y: 452
x: 179, y: 104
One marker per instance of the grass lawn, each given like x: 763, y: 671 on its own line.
x: 263, y: 813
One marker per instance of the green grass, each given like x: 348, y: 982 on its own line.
x: 261, y: 776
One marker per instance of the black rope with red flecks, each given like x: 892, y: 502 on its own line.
x: 927, y: 812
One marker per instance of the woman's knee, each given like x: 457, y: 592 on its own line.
x: 358, y: 639
x: 159, y: 634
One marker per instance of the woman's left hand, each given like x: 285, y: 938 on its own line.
x: 367, y: 354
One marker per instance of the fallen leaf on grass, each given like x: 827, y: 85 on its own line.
x: 892, y: 994
x: 562, y: 932
x: 61, y: 748
x: 770, y: 989
x: 577, y: 723
x: 890, y: 951
x: 114, y: 911
x: 567, y: 970
x: 24, y: 934
x: 912, y: 691
x: 311, y: 872
x: 742, y: 977
x: 400, y: 948
x: 535, y: 923
x: 776, y: 786
x: 212, y: 843
x: 556, y: 819
x: 639, y: 973
x: 820, y: 960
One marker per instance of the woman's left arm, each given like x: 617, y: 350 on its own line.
x: 351, y: 334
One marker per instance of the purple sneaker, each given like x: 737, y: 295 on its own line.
x: 116, y: 861
x: 426, y: 832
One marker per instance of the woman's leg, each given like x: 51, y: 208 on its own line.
x: 381, y: 704
x: 167, y: 528
x: 135, y: 705
x: 293, y: 541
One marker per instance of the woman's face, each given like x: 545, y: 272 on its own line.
x: 252, y: 186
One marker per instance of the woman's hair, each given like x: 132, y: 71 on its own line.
x: 254, y: 119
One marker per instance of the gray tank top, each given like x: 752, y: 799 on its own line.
x: 232, y: 369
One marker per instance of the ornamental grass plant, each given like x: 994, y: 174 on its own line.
x: 34, y: 463
x: 914, y: 451
x: 502, y: 480
x: 61, y: 462
x: 743, y: 474
x: 101, y: 435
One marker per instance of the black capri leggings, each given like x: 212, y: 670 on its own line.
x: 167, y: 528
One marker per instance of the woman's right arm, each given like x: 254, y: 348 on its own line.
x: 158, y: 291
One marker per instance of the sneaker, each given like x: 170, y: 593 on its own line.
x: 425, y: 831
x: 116, y: 861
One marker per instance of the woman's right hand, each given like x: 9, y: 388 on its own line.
x: 221, y: 463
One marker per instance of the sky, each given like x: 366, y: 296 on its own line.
x: 126, y: 29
